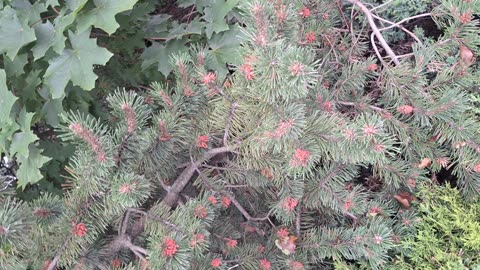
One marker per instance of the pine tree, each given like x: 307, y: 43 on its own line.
x: 306, y: 155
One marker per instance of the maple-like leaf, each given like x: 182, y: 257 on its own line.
x: 15, y: 67
x: 75, y: 64
x: 7, y: 99
x: 29, y: 169
x: 48, y: 36
x: 14, y: 34
x: 103, y: 15
x: 22, y: 140
x: 160, y: 54
x: 215, y: 15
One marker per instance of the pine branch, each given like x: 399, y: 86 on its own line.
x: 54, y: 262
x: 229, y: 122
x: 157, y: 219
x: 245, y: 213
x: 188, y: 172
x: 375, y: 30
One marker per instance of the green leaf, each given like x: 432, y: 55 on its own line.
x: 25, y: 120
x: 15, y: 67
x: 195, y: 27
x: 47, y: 36
x: 29, y: 85
x: 225, y: 49
x: 157, y: 23
x: 7, y: 99
x: 103, y: 15
x: 13, y: 33
x: 75, y: 5
x: 29, y: 169
x: 215, y: 15
x: 6, y: 133
x: 160, y: 54
x: 185, y: 3
x: 52, y: 109
x: 52, y: 3
x: 75, y: 64
x: 20, y: 143
x: 28, y: 12
x: 21, y: 140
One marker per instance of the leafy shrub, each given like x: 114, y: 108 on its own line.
x: 306, y: 156
x: 448, y: 235
x: 52, y: 53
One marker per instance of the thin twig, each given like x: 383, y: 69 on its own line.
x: 375, y: 30
x: 343, y: 15
x: 55, y: 10
x: 372, y: 40
x: 297, y: 220
x: 123, y: 228
x: 404, y: 20
x: 229, y: 122
x: 382, y: 5
x: 244, y: 212
x: 399, y: 26
x: 152, y: 217
x: 188, y: 172
x: 54, y: 262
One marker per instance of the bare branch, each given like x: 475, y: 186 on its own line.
x: 372, y: 40
x: 188, y: 172
x: 152, y: 217
x: 399, y: 26
x: 229, y: 122
x: 382, y: 5
x: 54, y: 262
x: 244, y: 212
x: 297, y: 220
x: 404, y: 20
x: 375, y: 30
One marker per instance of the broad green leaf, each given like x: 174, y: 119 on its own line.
x: 21, y: 140
x: 28, y: 12
x: 75, y: 5
x: 160, y: 54
x: 56, y: 150
x: 6, y: 133
x: 47, y: 36
x: 52, y: 109
x: 63, y: 21
x: 25, y: 120
x: 195, y: 27
x: 215, y: 15
x: 225, y: 49
x: 29, y: 169
x: 185, y: 3
x: 13, y: 33
x: 75, y: 64
x: 157, y: 23
x: 20, y: 143
x: 29, y: 85
x: 52, y: 3
x: 7, y: 99
x: 103, y: 15
x: 15, y: 67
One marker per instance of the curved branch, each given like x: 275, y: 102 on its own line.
x: 375, y: 30
x: 188, y: 172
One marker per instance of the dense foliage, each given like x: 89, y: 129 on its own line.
x: 252, y: 134
x: 448, y: 236
x: 50, y: 59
